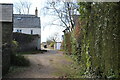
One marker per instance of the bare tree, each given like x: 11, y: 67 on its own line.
x: 54, y: 37
x: 23, y: 6
x: 64, y: 11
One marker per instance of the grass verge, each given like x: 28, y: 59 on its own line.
x: 69, y: 69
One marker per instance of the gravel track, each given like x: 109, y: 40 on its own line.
x: 42, y: 65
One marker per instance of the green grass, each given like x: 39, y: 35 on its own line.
x: 61, y: 50
x: 68, y: 70
x: 14, y: 69
x: 18, y: 63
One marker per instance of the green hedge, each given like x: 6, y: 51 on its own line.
x: 67, y: 43
x: 97, y: 48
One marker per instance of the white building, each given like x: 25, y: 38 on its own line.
x: 57, y: 46
x: 28, y: 24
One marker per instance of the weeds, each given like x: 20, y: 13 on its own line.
x: 19, y: 60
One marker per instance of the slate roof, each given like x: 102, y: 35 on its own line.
x: 26, y: 21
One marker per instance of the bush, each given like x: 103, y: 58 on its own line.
x: 14, y: 46
x: 19, y: 60
x: 52, y: 44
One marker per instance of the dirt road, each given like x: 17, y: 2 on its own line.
x: 51, y: 64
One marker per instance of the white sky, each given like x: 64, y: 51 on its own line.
x: 46, y: 30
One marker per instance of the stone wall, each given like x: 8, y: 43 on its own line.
x: 0, y: 51
x: 6, y: 45
x: 6, y: 12
x: 26, y: 42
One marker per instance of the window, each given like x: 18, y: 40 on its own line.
x: 31, y: 31
x: 18, y: 18
x: 17, y: 30
x: 20, y: 31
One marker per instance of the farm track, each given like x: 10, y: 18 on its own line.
x: 47, y: 65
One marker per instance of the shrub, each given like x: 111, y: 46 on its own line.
x: 19, y: 60
x: 67, y: 43
x: 15, y: 46
x: 52, y: 44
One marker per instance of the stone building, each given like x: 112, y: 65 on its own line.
x: 6, y: 24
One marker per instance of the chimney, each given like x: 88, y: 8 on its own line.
x: 36, y: 12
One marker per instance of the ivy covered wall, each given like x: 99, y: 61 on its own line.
x: 97, y: 45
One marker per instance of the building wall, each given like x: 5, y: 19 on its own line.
x: 0, y: 50
x: 6, y: 45
x: 6, y: 12
x: 28, y: 30
x: 57, y: 46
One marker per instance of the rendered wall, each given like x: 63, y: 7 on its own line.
x: 57, y: 46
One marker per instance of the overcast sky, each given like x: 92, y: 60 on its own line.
x: 46, y: 29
